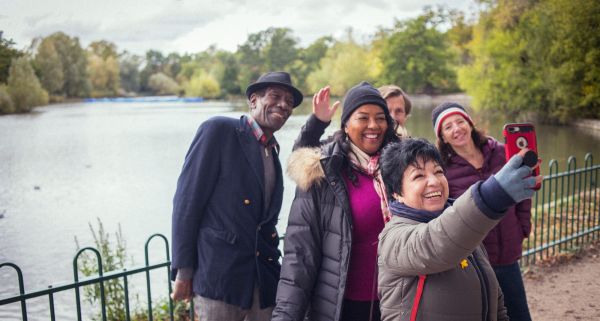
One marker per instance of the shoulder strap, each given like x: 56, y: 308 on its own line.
x: 415, y: 308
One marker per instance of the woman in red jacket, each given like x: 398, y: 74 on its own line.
x: 469, y: 156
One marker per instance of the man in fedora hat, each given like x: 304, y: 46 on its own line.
x: 229, y: 193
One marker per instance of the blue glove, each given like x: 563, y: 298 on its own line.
x: 515, y: 179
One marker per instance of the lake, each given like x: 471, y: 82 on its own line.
x: 64, y: 166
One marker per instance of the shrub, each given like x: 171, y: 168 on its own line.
x: 163, y: 84
x: 6, y: 104
x: 24, y: 87
x: 203, y: 85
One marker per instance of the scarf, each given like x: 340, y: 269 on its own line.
x: 369, y: 165
x: 422, y: 216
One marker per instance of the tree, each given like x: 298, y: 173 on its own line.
x: 280, y: 49
x: 103, y: 69
x: 153, y: 64
x: 252, y: 63
x: 459, y: 35
x: 6, y: 104
x: 539, y: 56
x: 129, y: 71
x: 50, y: 68
x: 103, y: 49
x: 24, y: 87
x: 59, y: 47
x: 308, y: 61
x: 416, y: 55
x: 202, y: 85
x: 345, y: 64
x: 267, y: 50
x: 163, y: 84
x: 231, y: 70
x: 172, y: 65
x: 7, y: 54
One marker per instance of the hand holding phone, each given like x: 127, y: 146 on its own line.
x: 519, y: 137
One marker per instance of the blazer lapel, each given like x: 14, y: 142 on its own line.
x: 277, y: 197
x: 248, y: 144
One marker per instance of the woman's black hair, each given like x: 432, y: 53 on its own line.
x: 342, y: 139
x: 397, y: 157
x: 477, y: 135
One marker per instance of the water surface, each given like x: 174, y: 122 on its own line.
x: 64, y: 166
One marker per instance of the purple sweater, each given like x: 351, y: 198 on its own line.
x: 367, y: 223
x: 503, y: 243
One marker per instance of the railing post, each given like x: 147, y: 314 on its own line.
x: 76, y: 277
x: 51, y: 302
x: 580, y: 213
x: 587, y: 194
x: 21, y: 287
x: 150, y: 317
x: 572, y: 166
x: 126, y: 290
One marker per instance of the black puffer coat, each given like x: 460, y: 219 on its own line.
x: 318, y: 238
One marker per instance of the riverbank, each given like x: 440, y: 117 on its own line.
x: 568, y: 288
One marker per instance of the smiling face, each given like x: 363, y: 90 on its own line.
x: 397, y: 109
x: 272, y: 109
x: 366, y: 128
x: 456, y: 131
x: 424, y: 186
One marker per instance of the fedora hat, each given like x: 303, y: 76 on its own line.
x: 279, y: 78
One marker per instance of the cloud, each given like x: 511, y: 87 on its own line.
x: 40, y: 26
x: 191, y: 25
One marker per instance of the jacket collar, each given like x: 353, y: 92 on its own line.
x: 486, y: 150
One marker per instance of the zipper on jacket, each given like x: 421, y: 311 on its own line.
x: 484, y: 287
x: 336, y: 183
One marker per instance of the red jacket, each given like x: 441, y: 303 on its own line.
x: 503, y: 243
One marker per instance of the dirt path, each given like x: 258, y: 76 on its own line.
x: 569, y: 290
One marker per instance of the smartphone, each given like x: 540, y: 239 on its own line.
x: 518, y: 136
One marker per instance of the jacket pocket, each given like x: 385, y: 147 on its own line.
x: 225, y: 236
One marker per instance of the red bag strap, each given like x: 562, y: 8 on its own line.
x: 420, y: 286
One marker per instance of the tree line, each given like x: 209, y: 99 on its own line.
x: 512, y: 56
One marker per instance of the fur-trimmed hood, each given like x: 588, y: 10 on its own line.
x: 304, y: 167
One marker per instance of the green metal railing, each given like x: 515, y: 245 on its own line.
x: 565, y: 216
x: 565, y: 211
x: 100, y: 279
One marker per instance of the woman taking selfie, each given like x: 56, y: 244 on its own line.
x: 470, y: 156
x: 431, y: 262
x: 330, y: 248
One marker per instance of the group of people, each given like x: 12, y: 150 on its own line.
x: 382, y: 226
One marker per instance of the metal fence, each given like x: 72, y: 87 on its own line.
x: 565, y: 211
x: 101, y: 280
x: 565, y: 216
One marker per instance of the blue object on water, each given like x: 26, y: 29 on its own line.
x: 148, y: 99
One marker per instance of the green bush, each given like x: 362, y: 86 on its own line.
x: 203, y: 85
x: 24, y: 87
x: 163, y: 84
x: 6, y: 104
x: 114, y: 257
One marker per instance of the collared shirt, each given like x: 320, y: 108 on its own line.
x: 261, y: 137
x: 268, y: 162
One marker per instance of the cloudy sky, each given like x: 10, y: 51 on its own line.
x: 193, y: 25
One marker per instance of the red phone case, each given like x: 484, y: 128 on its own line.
x: 518, y: 136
